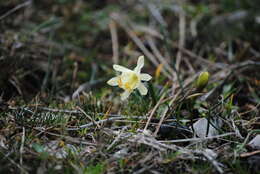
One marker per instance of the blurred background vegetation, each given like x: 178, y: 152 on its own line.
x: 43, y: 43
x: 60, y: 53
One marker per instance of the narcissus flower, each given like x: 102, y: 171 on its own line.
x: 130, y: 79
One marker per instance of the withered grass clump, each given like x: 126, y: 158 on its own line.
x: 58, y: 115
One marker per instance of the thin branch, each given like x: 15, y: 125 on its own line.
x: 88, y: 116
x: 22, y: 147
x: 122, y: 22
x: 27, y: 3
x: 182, y: 31
x: 198, y: 139
x: 158, y: 54
x: 91, y: 124
x: 163, y: 117
x: 114, y: 38
x: 153, y: 111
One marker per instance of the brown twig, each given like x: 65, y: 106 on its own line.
x: 182, y: 31
x: 81, y: 110
x: 114, y: 38
x: 15, y: 9
x: 163, y: 117
x: 22, y: 147
x: 123, y: 23
x: 198, y: 139
x: 158, y: 54
x: 153, y: 111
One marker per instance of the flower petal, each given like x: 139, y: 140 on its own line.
x: 140, y: 64
x: 145, y: 77
x: 113, y: 81
x: 121, y: 68
x: 142, y: 89
x: 125, y: 95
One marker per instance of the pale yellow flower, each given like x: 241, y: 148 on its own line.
x: 130, y: 79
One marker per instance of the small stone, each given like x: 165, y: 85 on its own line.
x: 200, y: 127
x: 255, y: 142
x: 121, y: 153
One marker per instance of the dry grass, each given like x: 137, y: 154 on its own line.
x: 58, y: 115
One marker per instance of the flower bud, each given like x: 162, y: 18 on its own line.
x: 202, y: 80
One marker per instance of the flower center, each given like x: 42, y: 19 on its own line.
x: 128, y: 81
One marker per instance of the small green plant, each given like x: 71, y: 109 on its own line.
x: 95, y: 169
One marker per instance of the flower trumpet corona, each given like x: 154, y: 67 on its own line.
x: 130, y: 79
